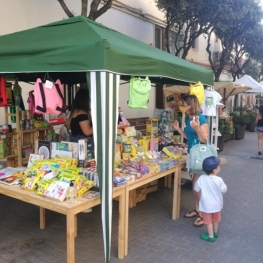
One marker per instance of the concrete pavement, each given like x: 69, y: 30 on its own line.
x: 153, y: 236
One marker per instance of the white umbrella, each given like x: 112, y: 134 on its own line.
x: 250, y: 82
x: 227, y: 89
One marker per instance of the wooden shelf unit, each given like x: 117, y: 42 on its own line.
x: 14, y: 159
x: 20, y: 137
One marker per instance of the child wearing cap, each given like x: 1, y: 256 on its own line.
x: 211, y: 188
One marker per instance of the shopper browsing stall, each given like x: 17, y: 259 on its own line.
x: 196, y: 130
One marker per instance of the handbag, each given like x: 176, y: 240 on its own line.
x: 139, y: 93
x: 198, y: 153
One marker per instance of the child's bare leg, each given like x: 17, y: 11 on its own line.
x: 210, y: 230
x: 215, y: 227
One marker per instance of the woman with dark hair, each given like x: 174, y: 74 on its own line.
x: 196, y: 130
x: 80, y: 122
x: 259, y: 129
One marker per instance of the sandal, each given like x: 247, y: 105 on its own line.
x: 198, y: 222
x: 192, y: 214
x: 207, y: 238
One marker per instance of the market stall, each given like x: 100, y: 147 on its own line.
x: 78, y: 50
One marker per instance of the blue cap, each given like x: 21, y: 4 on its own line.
x: 211, y: 163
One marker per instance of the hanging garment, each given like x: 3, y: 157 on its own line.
x: 212, y: 99
x: 3, y: 97
x: 31, y: 103
x: 139, y: 93
x: 17, y: 93
x: 49, y: 100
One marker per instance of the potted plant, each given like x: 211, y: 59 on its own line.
x: 240, y: 120
x: 225, y: 127
x: 252, y: 117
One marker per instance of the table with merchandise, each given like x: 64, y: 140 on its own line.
x: 71, y: 211
x: 49, y: 194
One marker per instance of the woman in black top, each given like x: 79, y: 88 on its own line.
x: 259, y: 129
x: 80, y: 119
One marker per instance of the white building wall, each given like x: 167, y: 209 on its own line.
x: 24, y: 14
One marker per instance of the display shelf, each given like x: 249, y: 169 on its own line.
x: 25, y: 161
x: 29, y: 131
x: 43, y: 133
x: 21, y: 137
x: 9, y: 156
x: 13, y: 159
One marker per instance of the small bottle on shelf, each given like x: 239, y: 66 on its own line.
x: 72, y: 194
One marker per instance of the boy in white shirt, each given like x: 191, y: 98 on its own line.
x: 211, y: 198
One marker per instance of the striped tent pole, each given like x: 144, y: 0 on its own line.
x: 104, y: 90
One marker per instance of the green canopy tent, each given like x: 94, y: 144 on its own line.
x: 78, y: 50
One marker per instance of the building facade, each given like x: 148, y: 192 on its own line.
x: 139, y: 19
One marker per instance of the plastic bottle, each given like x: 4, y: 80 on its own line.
x: 72, y: 194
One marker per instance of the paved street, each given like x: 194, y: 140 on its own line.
x: 153, y: 236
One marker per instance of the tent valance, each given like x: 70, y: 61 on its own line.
x: 72, y: 47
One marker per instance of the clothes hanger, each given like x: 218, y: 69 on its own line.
x: 210, y: 88
x: 47, y: 77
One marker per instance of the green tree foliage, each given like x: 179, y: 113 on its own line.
x: 94, y: 12
x: 187, y: 20
x: 237, y: 22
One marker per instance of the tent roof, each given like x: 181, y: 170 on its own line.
x: 76, y: 45
x: 250, y: 82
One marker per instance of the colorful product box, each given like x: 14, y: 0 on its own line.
x: 83, y: 152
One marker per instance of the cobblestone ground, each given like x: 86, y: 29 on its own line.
x: 153, y: 235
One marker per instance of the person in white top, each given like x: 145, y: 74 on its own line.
x: 211, y: 199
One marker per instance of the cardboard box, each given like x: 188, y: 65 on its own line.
x: 171, y: 152
x: 72, y: 147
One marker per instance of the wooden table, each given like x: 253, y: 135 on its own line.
x: 147, y: 179
x: 71, y: 211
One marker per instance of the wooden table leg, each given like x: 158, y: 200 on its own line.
x: 70, y: 237
x: 176, y: 196
x: 42, y: 215
x: 76, y: 225
x: 121, y: 235
x: 126, y: 215
x: 168, y: 181
x: 179, y: 191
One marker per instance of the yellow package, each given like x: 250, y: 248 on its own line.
x: 66, y: 177
x: 30, y: 183
x: 42, y: 186
x: 130, y: 131
x: 85, y: 187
